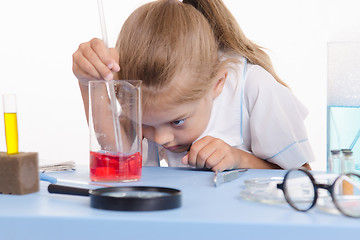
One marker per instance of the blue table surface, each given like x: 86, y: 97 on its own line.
x: 207, y: 212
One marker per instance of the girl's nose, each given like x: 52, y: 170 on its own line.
x: 162, y: 136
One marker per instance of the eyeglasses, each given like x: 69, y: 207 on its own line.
x: 301, y: 191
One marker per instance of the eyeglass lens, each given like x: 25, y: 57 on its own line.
x: 346, y: 194
x: 299, y: 189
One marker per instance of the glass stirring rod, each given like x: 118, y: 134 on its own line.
x: 102, y: 23
x: 10, y: 120
x: 111, y: 86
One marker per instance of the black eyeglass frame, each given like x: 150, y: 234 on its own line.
x: 316, y: 186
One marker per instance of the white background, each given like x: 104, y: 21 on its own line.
x: 38, y: 38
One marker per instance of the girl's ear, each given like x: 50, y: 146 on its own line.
x: 219, y: 84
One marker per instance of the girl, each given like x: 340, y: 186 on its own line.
x: 211, y: 97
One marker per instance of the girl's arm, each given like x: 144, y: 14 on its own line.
x: 251, y: 161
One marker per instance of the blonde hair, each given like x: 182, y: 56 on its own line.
x: 230, y: 36
x: 165, y: 39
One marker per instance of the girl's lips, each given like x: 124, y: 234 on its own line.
x: 177, y: 148
x: 172, y: 148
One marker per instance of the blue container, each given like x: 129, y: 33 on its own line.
x: 343, y: 132
x: 343, y: 100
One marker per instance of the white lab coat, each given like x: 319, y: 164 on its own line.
x: 254, y: 113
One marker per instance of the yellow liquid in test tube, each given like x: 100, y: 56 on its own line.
x: 10, y: 120
x: 11, y: 132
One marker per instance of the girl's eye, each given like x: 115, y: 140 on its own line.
x: 178, y: 122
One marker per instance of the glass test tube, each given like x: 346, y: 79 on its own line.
x: 335, y: 162
x: 10, y: 120
x: 347, y: 166
x: 347, y: 161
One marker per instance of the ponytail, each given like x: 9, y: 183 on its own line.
x: 229, y: 34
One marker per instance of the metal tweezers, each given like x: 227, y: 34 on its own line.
x: 228, y: 176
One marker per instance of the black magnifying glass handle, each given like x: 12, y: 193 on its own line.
x: 54, y: 188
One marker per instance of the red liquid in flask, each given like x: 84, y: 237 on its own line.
x: 112, y: 167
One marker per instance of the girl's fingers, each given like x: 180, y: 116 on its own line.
x: 83, y: 69
x: 208, y: 152
x: 205, y: 154
x: 185, y: 159
x: 221, y: 166
x: 115, y: 56
x: 93, y: 60
x: 215, y: 158
x: 195, y: 154
x: 92, y: 57
x: 102, y: 52
x: 109, y: 57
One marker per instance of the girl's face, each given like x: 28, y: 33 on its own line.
x: 178, y: 126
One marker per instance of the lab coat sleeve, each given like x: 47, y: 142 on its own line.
x: 277, y: 129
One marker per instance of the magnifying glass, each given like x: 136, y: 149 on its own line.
x: 136, y: 198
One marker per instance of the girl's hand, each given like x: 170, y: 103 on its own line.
x: 213, y: 153
x: 93, y: 61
